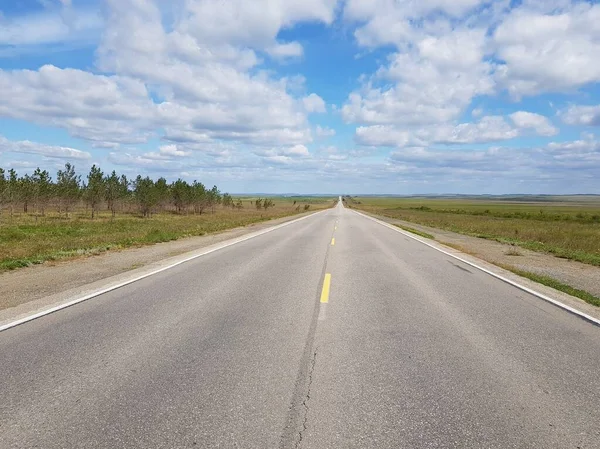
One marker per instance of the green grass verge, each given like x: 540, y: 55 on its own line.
x: 416, y: 231
x: 557, y: 285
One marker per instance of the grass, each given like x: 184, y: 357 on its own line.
x: 567, y: 227
x: 417, y: 232
x: 27, y: 240
x: 557, y: 285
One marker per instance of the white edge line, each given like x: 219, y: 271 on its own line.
x: 151, y: 273
x: 570, y: 309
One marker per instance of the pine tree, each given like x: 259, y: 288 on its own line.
x: 145, y: 194
x: 42, y: 188
x: 115, y: 190
x: 13, y: 192
x: 95, y: 189
x: 3, y: 189
x: 199, y: 197
x: 68, y: 187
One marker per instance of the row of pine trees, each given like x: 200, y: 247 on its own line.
x: 38, y: 191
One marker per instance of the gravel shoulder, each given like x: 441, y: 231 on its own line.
x: 28, y: 289
x: 575, y: 274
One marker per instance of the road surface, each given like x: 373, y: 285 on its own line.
x: 293, y: 339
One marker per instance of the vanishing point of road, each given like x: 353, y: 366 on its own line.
x: 331, y: 332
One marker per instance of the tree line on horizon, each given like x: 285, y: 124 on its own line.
x: 38, y: 190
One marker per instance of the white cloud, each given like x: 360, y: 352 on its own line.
x: 287, y: 50
x: 205, y: 68
x: 382, y: 135
x: 477, y: 112
x: 284, y: 155
x: 333, y: 153
x: 314, y: 103
x: 537, y: 122
x: 488, y: 129
x: 429, y: 86
x: 167, y: 152
x: 251, y: 24
x: 200, y: 76
x: 297, y: 150
x: 581, y: 115
x: 557, y: 50
x: 40, y: 149
x: 172, y: 150
x: 53, y: 26
x: 391, y: 22
x: 197, y: 80
x: 485, y: 130
x: 94, y: 107
x: 324, y: 131
x: 557, y: 161
x: 146, y: 162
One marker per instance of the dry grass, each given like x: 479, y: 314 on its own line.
x: 513, y: 251
x: 26, y: 239
x: 568, y: 228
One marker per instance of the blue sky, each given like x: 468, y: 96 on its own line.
x: 308, y: 96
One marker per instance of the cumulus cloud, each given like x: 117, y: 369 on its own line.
x: 285, y: 155
x: 297, y: 150
x: 432, y: 82
x: 537, y: 122
x: 94, y: 107
x: 449, y: 53
x: 287, y: 50
x: 553, y: 50
x: 391, y: 22
x: 314, y: 103
x: 195, y: 80
x: 581, y: 115
x: 167, y: 152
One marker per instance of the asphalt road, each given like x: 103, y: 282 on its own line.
x: 245, y: 348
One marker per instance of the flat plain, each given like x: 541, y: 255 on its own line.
x: 565, y: 226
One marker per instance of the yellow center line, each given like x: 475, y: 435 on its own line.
x: 326, y: 285
x: 333, y: 241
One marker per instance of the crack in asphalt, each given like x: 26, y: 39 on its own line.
x: 306, y: 399
x: 296, y: 422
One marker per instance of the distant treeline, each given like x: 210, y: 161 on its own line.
x: 38, y: 191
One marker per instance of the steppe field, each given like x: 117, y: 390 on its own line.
x: 565, y: 226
